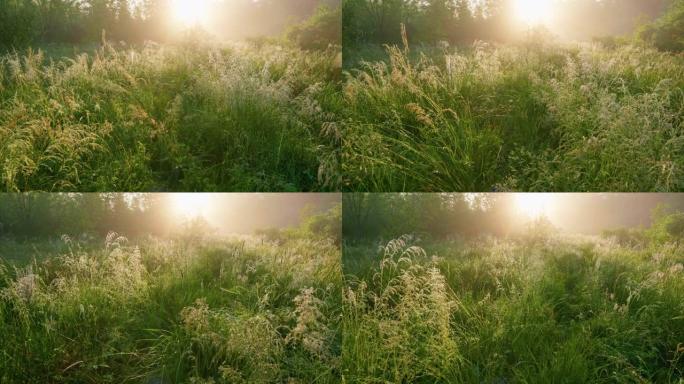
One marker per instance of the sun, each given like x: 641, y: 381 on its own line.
x: 191, y: 13
x: 191, y: 205
x: 534, y: 205
x: 533, y: 12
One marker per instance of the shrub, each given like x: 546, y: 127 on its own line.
x: 327, y: 225
x: 666, y: 33
x: 667, y: 226
x: 675, y: 227
x: 321, y: 31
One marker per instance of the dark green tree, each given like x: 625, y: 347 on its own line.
x: 667, y: 33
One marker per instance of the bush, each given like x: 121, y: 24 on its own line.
x: 322, y: 226
x: 539, y: 230
x: 668, y: 227
x: 666, y: 33
x: 322, y: 30
x: 675, y: 228
x: 327, y: 225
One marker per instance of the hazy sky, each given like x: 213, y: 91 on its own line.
x: 594, y: 212
x: 239, y: 19
x: 585, y: 19
x: 245, y: 212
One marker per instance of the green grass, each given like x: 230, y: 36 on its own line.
x: 531, y: 117
x: 186, y: 117
x: 182, y: 310
x: 553, y: 309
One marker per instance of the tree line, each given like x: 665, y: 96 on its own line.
x: 51, y: 215
x: 30, y: 22
x: 371, y: 217
x: 23, y: 22
x: 38, y: 215
x: 464, y: 21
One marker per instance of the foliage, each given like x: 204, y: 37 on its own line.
x: 675, y: 228
x: 540, y: 117
x: 186, y: 117
x: 539, y: 230
x: 17, y: 22
x: 463, y: 22
x: 69, y: 21
x: 24, y: 23
x: 386, y: 216
x: 567, y: 310
x: 378, y: 217
x: 666, y: 33
x: 26, y: 216
x: 151, y: 310
x: 320, y: 31
x: 668, y: 226
x: 627, y: 237
x: 322, y: 226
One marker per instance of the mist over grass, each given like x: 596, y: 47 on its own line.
x: 534, y: 116
x: 535, y: 308
x: 187, y: 309
x: 186, y: 117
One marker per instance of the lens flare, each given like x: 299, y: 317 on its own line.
x: 191, y: 205
x: 533, y: 12
x: 534, y: 205
x: 191, y: 13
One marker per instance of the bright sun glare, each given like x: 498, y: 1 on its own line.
x: 191, y: 13
x: 534, y: 205
x: 533, y: 12
x: 191, y: 205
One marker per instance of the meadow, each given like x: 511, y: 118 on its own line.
x: 532, y: 116
x: 186, y: 309
x: 535, y: 308
x: 190, y: 116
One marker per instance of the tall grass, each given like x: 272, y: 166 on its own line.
x: 532, y: 117
x: 173, y: 311
x: 526, y: 310
x: 251, y: 117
